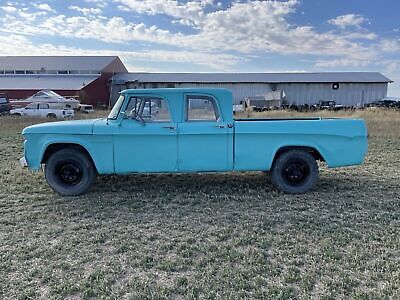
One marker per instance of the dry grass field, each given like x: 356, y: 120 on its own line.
x: 207, y: 236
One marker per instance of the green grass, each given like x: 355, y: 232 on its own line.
x: 204, y: 236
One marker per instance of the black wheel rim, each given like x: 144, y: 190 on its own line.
x: 69, y: 173
x: 296, y: 172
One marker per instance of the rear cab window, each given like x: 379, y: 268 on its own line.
x: 201, y: 108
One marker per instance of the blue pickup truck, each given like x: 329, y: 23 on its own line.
x: 189, y: 130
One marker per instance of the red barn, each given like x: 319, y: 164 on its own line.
x: 84, y: 77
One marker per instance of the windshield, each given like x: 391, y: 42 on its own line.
x: 117, y: 107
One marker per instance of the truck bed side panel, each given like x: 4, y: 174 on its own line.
x: 340, y: 142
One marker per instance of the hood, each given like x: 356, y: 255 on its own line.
x: 63, y: 127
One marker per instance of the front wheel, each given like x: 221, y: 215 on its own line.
x: 70, y: 172
x: 294, y: 172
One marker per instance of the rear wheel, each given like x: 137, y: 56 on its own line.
x: 294, y: 172
x: 51, y: 116
x: 70, y: 172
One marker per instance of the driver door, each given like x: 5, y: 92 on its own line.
x: 146, y: 139
x: 31, y: 109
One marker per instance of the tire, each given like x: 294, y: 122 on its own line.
x: 17, y: 115
x: 51, y: 116
x: 70, y: 172
x: 294, y: 172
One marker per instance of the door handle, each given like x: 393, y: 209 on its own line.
x: 169, y: 127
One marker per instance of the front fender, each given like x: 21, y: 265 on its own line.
x: 100, y: 148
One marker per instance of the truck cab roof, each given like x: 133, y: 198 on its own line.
x: 174, y: 90
x: 176, y: 98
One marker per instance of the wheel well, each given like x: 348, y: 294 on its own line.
x: 314, y: 152
x: 55, y: 147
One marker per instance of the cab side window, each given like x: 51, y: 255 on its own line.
x: 201, y: 108
x: 150, y: 109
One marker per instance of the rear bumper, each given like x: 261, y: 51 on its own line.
x: 23, y: 162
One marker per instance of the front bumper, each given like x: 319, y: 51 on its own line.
x: 23, y: 162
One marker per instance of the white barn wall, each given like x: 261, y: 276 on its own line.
x: 239, y: 90
x: 348, y: 94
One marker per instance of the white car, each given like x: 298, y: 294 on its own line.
x: 238, y: 108
x: 42, y: 110
x: 85, y: 108
x: 47, y: 96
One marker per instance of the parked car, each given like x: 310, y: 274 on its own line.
x: 238, y: 108
x: 47, y: 96
x: 85, y: 108
x: 329, y: 105
x: 386, y: 103
x: 192, y: 131
x: 42, y: 110
x: 4, y: 105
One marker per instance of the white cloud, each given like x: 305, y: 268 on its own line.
x: 349, y: 20
x: 392, y: 70
x: 23, y: 46
x: 393, y: 67
x: 86, y: 11
x: 360, y: 35
x: 44, y: 7
x: 9, y: 8
x: 390, y: 45
x: 188, y: 13
x: 99, y: 3
x: 336, y: 63
x: 248, y: 28
x: 115, y: 29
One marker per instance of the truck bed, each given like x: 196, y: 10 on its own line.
x: 279, y: 119
x: 341, y: 142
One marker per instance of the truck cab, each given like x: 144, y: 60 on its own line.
x: 151, y: 122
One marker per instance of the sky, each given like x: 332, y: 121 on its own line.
x: 212, y: 35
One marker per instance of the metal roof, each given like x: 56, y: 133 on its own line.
x: 95, y: 63
x: 48, y: 82
x: 173, y: 91
x: 325, y: 77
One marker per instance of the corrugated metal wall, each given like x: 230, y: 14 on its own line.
x: 239, y: 90
x: 348, y: 94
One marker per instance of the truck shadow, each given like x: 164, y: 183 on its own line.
x: 219, y: 184
x: 228, y: 186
